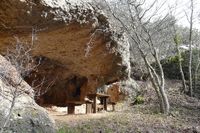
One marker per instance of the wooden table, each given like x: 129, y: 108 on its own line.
x: 103, y: 98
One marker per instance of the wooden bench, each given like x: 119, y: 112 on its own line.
x: 71, y: 105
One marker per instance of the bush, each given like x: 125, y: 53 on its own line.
x: 171, y: 65
x: 138, y: 100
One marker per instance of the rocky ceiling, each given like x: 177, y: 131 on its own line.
x: 77, y: 49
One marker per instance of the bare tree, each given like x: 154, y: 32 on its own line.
x: 177, y: 41
x: 197, y: 66
x: 190, y: 47
x: 19, y: 55
x: 140, y: 30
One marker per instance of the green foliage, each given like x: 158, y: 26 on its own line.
x: 173, y: 59
x: 67, y: 130
x: 84, y: 128
x: 139, y: 100
x: 177, y: 39
x: 171, y: 65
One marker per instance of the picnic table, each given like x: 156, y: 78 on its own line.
x: 91, y: 103
x: 103, y: 99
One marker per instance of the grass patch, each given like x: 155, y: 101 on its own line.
x: 67, y: 130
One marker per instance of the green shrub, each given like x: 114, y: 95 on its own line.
x: 139, y: 100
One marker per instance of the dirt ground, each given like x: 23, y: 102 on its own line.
x: 184, y: 116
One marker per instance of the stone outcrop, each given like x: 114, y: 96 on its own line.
x: 74, y: 44
x: 118, y: 91
x: 26, y: 115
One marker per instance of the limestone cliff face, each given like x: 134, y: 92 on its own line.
x: 74, y: 44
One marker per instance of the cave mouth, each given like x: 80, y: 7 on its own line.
x: 54, y: 84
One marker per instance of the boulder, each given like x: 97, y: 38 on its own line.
x: 77, y: 49
x: 121, y: 90
x: 26, y: 116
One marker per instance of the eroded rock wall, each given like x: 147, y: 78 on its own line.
x: 26, y: 116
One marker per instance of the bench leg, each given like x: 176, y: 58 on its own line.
x: 71, y: 109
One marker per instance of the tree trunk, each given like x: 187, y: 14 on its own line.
x: 181, y: 69
x: 162, y: 85
x: 156, y: 88
x: 190, y: 73
x: 196, y: 75
x: 190, y: 50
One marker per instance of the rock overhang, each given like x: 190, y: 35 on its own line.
x: 74, y: 42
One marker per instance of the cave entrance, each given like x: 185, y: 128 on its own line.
x: 55, y: 84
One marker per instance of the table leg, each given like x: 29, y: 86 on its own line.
x: 95, y: 105
x: 105, y: 103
